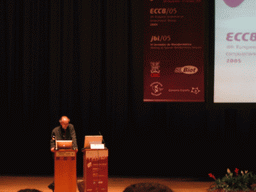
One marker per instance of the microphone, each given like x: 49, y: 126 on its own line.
x: 102, y: 139
x: 53, y: 138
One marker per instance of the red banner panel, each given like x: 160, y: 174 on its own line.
x: 173, y: 51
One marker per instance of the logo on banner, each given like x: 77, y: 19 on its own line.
x: 195, y: 90
x: 189, y: 69
x: 233, y: 3
x: 89, y: 164
x: 155, y: 72
x: 160, y: 38
x: 157, y: 88
x: 163, y: 11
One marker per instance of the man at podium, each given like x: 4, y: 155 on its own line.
x: 65, y: 131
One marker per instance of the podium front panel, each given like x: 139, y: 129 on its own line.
x: 65, y: 171
x: 95, y: 170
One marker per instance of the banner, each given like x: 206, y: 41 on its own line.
x: 173, y: 51
x: 235, y: 51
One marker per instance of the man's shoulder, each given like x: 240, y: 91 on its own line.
x: 71, y: 126
x: 56, y: 129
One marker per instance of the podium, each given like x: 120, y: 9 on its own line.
x: 95, y: 170
x: 65, y: 170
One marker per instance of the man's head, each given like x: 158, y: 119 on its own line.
x: 64, y: 121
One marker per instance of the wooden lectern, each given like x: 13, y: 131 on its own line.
x: 65, y: 170
x: 95, y: 170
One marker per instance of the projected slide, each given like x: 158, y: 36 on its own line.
x: 235, y: 51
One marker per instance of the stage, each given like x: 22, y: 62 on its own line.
x: 115, y: 184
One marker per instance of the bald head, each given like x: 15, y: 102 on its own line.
x: 64, y: 121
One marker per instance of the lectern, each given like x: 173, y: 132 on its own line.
x: 95, y: 170
x: 65, y: 170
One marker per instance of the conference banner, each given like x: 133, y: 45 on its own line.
x: 174, y: 51
x: 235, y: 51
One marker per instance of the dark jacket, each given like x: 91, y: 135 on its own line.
x: 58, y: 132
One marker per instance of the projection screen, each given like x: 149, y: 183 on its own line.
x: 235, y: 51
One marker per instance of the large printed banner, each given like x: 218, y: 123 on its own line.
x: 235, y: 51
x: 173, y: 51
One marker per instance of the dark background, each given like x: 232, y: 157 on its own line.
x: 84, y: 59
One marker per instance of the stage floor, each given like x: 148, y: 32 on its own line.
x: 115, y: 184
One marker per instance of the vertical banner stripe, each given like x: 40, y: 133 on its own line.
x: 173, y: 51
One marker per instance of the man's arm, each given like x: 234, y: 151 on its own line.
x: 73, y: 136
x: 52, y: 141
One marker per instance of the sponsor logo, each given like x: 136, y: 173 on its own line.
x: 233, y: 3
x: 195, y: 90
x: 155, y: 72
x: 188, y: 69
x: 179, y: 90
x: 157, y: 88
